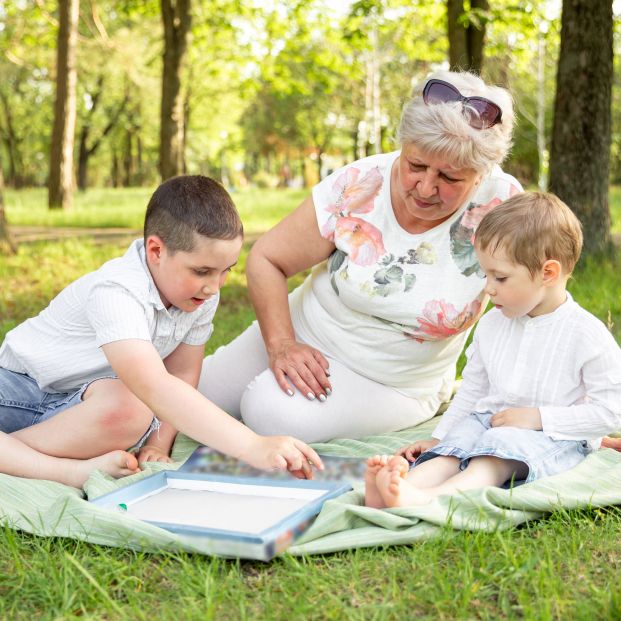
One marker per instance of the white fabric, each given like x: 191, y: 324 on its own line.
x: 565, y: 363
x: 60, y: 347
x: 393, y: 306
x: 357, y: 407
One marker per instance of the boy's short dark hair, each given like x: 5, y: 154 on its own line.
x: 187, y: 205
x: 532, y: 228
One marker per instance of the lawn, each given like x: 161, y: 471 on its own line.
x: 564, y: 567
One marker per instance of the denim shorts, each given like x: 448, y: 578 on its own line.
x: 474, y: 437
x: 23, y: 403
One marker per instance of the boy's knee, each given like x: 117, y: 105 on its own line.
x: 123, y: 415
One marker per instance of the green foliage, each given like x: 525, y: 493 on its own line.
x: 267, y: 84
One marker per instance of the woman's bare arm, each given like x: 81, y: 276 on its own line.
x: 293, y: 245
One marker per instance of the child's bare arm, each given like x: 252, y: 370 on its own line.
x: 138, y: 365
x: 185, y: 363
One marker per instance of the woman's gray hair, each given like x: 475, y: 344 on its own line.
x: 442, y: 129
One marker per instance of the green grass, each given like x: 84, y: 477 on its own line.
x: 107, y: 207
x: 565, y: 567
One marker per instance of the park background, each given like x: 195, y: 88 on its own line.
x: 100, y: 100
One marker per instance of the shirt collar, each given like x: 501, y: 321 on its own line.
x: 556, y: 315
x: 137, y: 248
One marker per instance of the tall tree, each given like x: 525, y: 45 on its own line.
x: 176, y: 17
x: 466, y: 34
x: 581, y: 134
x: 7, y: 246
x: 60, y: 184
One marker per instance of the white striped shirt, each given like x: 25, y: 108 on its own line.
x: 61, y: 347
x: 566, y: 363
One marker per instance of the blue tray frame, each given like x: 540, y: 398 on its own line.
x: 262, y: 546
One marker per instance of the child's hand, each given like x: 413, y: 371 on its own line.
x: 525, y: 418
x: 283, y: 453
x: 412, y: 451
x: 152, y: 453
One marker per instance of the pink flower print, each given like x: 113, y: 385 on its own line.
x: 473, y: 215
x: 441, y: 319
x: 353, y: 196
x: 360, y: 240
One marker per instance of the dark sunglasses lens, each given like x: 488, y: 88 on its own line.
x: 437, y: 92
x: 482, y: 113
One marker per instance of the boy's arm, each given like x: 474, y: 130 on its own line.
x: 185, y: 363
x: 600, y: 413
x: 139, y: 367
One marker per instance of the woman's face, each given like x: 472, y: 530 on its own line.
x: 426, y: 190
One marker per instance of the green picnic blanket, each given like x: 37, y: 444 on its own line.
x: 51, y: 509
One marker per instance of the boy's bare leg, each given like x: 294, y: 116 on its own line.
x: 432, y: 472
x: 372, y: 497
x: 109, y: 417
x: 20, y: 460
x: 613, y: 443
x: 428, y: 474
x: 398, y: 491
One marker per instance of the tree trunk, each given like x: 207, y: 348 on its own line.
x: 580, y: 151
x: 7, y: 246
x: 15, y: 172
x: 466, y: 38
x: 177, y: 20
x: 60, y: 184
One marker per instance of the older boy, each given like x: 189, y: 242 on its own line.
x: 121, y: 349
x: 543, y: 378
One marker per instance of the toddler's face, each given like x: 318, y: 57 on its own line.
x: 511, y: 286
x: 186, y: 279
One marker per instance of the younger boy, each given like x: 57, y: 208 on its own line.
x: 121, y: 348
x: 543, y: 377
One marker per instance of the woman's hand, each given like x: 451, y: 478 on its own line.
x: 301, y: 365
x: 412, y: 451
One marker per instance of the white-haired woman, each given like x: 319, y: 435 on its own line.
x: 368, y: 343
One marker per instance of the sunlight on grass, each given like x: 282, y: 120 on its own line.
x: 108, y: 207
x: 562, y: 567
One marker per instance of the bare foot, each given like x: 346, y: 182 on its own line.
x: 372, y: 497
x: 115, y: 463
x: 394, y: 487
x: 613, y: 443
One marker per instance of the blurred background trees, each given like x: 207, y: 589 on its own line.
x: 267, y: 93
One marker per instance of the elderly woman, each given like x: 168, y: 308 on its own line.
x: 368, y: 343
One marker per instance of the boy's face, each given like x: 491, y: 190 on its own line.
x: 186, y: 279
x: 511, y: 286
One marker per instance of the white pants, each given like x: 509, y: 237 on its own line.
x: 237, y: 378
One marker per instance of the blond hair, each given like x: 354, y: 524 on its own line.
x: 443, y: 130
x: 532, y: 228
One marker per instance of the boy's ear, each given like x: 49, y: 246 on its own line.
x: 154, y: 246
x: 551, y: 271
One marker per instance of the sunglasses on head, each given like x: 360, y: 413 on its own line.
x: 479, y: 112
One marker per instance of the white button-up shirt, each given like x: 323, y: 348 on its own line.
x: 566, y: 363
x: 61, y: 347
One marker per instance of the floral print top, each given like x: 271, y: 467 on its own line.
x: 392, y: 305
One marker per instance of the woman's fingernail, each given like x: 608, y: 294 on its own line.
x: 310, y: 396
x: 290, y: 392
x: 327, y: 373
x: 328, y: 391
x: 322, y: 397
